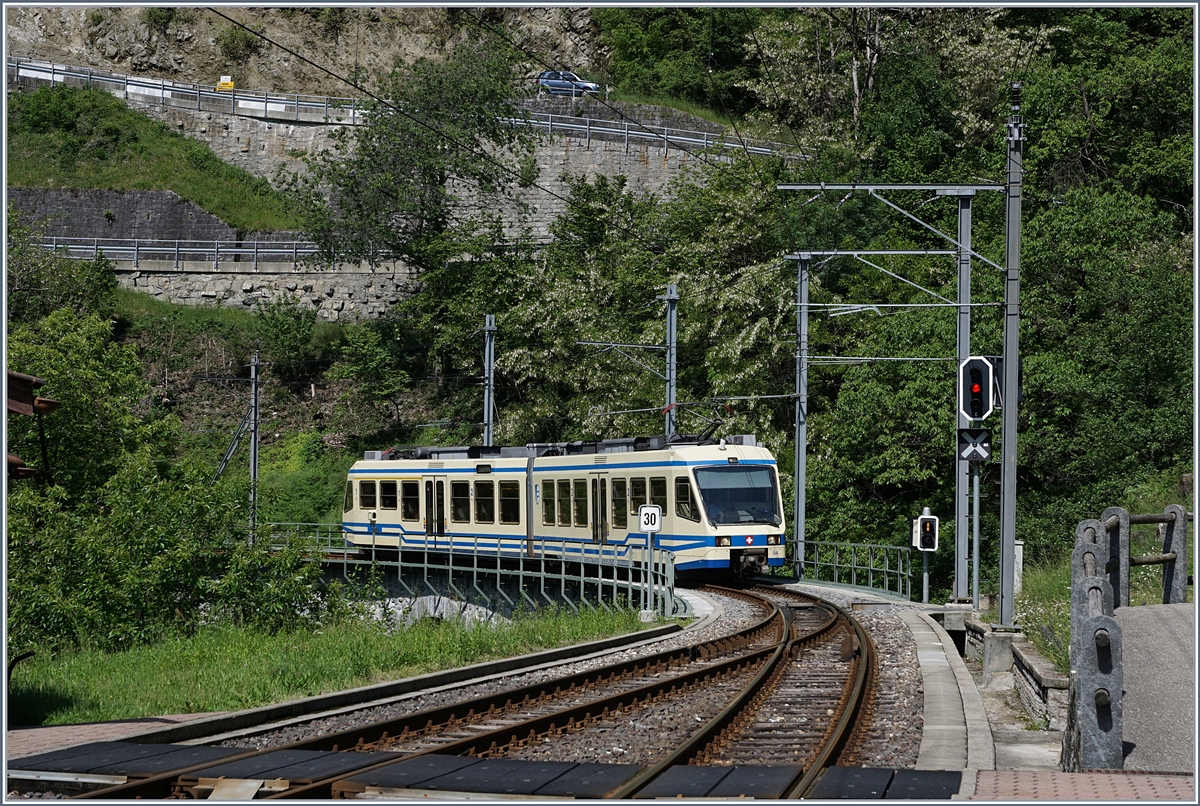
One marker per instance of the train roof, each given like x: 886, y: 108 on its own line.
x: 536, y: 449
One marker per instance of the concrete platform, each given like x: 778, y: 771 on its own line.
x: 1159, y: 726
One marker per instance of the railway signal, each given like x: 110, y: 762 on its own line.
x: 976, y: 380
x: 925, y: 532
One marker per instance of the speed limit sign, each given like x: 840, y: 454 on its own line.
x: 649, y: 518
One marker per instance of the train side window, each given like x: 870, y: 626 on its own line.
x: 366, y: 495
x: 658, y: 493
x: 410, y: 501
x: 387, y: 495
x: 564, y: 502
x: 548, y: 502
x: 485, y: 502
x: 620, y: 512
x: 348, y: 504
x: 510, y: 502
x: 685, y: 502
x: 460, y: 501
x: 637, y: 495
x: 581, y: 502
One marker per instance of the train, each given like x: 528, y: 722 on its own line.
x: 722, y: 512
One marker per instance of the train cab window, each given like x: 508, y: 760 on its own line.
x: 637, y: 495
x: 564, y: 502
x: 485, y: 502
x: 548, y: 502
x: 410, y: 501
x: 387, y: 495
x: 510, y: 502
x: 348, y: 504
x: 620, y: 511
x: 581, y: 502
x: 460, y: 501
x: 658, y: 493
x: 366, y: 495
x: 685, y: 502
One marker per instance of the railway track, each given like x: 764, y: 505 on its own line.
x: 776, y: 702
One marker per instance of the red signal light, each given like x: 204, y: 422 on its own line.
x: 976, y: 388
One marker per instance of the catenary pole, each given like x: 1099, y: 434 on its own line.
x: 672, y: 299
x: 801, y: 458
x: 253, y: 443
x: 961, y: 466
x: 1012, y: 311
x: 489, y: 376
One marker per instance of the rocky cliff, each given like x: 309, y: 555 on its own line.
x: 195, y: 44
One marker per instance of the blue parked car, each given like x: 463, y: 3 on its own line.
x: 564, y: 82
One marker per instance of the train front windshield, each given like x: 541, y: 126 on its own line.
x: 739, y: 494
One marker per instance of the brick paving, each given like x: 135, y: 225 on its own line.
x: 20, y: 742
x: 1014, y: 785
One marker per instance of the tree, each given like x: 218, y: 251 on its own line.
x: 105, y: 409
x: 374, y: 370
x: 287, y: 329
x: 427, y: 165
x: 40, y: 281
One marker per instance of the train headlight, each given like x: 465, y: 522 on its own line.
x: 772, y: 540
x: 723, y: 540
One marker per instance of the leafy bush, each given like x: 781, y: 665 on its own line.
x: 238, y: 44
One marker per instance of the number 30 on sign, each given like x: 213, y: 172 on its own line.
x: 649, y: 518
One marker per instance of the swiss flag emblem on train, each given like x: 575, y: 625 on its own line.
x: 749, y: 540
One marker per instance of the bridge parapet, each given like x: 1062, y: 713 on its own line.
x: 1095, y: 737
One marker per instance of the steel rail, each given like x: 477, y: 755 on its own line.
x: 160, y: 786
x: 751, y: 697
x: 489, y: 742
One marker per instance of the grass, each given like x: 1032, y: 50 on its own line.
x: 229, y: 668
x: 64, y: 137
x: 1043, y: 608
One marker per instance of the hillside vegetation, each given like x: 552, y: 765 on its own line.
x: 872, y: 95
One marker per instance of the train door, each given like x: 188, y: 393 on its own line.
x: 435, y: 507
x: 599, y: 508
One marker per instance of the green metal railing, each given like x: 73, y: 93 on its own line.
x: 555, y: 573
x: 861, y: 565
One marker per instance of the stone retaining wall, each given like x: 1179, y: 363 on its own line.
x: 346, y: 293
x: 1042, y: 689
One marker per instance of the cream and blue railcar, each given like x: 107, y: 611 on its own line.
x: 720, y: 501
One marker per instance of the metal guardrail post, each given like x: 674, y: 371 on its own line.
x: 216, y: 254
x: 177, y: 254
x: 256, y: 255
x: 136, y: 263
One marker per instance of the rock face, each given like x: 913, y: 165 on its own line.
x: 198, y: 45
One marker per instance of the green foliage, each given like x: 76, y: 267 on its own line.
x: 366, y: 360
x: 1115, y: 102
x: 69, y: 137
x: 698, y: 55
x: 104, y: 409
x: 159, y: 18
x: 300, y: 481
x: 271, y: 591
x: 40, y: 282
x: 239, y: 44
x: 287, y: 325
x: 76, y: 124
x: 130, y: 568
x: 385, y: 188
